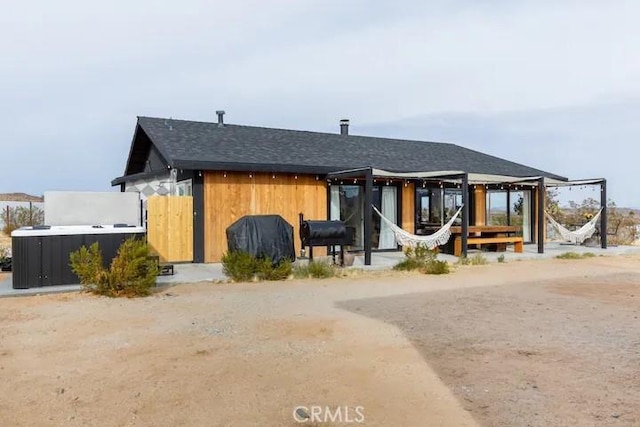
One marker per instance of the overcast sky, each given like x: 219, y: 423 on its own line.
x: 552, y: 84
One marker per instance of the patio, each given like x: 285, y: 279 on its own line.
x: 192, y: 273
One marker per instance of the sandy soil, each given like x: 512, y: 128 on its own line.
x: 409, y: 349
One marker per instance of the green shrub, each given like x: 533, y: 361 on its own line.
x: 477, y: 259
x: 314, y: 270
x: 574, y: 255
x: 463, y: 260
x: 266, y: 270
x: 239, y: 266
x: 501, y: 258
x: 423, y: 259
x: 408, y: 264
x: 436, y: 267
x: 131, y: 273
x: 243, y: 267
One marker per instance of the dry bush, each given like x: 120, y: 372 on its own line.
x: 131, y: 273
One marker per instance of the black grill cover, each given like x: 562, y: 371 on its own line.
x: 263, y: 236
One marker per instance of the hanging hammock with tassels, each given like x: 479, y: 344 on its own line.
x: 577, y: 236
x: 405, y: 238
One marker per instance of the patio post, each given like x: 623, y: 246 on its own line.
x: 603, y: 215
x: 368, y: 214
x: 465, y: 212
x: 541, y: 226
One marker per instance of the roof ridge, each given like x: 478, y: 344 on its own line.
x: 302, y: 131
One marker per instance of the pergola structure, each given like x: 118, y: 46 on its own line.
x: 463, y: 180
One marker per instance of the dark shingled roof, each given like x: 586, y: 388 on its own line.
x: 207, y: 146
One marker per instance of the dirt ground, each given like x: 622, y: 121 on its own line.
x: 525, y: 343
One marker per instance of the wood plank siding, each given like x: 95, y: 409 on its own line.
x: 409, y: 208
x: 231, y: 195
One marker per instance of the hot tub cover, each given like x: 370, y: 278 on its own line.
x: 263, y: 236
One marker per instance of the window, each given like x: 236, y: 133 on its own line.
x: 497, y: 207
x: 184, y: 188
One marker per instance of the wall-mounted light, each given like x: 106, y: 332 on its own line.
x: 355, y: 180
x: 295, y: 177
x: 273, y: 176
x: 251, y: 175
x: 225, y: 175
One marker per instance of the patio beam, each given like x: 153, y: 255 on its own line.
x: 368, y: 215
x: 540, y: 202
x: 603, y: 215
x: 465, y: 212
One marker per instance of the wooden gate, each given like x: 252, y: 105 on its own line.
x: 170, y: 227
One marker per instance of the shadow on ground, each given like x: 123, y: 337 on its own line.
x: 537, y: 354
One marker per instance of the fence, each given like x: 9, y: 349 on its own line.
x: 5, y: 208
x: 170, y: 227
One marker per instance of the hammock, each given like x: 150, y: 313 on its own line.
x: 577, y: 236
x: 405, y: 238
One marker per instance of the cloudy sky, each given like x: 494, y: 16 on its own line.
x: 552, y: 84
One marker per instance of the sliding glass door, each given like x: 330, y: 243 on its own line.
x: 347, y: 205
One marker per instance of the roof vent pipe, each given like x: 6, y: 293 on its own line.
x: 220, y: 114
x: 344, y: 127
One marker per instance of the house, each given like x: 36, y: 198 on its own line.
x: 234, y: 170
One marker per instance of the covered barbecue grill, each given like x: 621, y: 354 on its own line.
x: 325, y: 233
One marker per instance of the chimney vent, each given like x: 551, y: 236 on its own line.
x: 344, y: 127
x: 220, y: 114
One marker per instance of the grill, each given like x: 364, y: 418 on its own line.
x: 325, y: 233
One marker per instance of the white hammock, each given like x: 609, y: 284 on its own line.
x: 577, y: 236
x: 405, y: 238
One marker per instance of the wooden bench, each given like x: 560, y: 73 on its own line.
x: 517, y: 241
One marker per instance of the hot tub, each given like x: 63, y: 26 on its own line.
x: 41, y: 254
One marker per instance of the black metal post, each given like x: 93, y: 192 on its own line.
x: 197, y: 190
x: 465, y: 213
x: 541, y: 197
x: 603, y: 215
x: 368, y: 212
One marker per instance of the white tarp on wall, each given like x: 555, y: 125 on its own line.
x: 91, y: 208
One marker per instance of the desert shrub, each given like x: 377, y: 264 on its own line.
x: 436, y: 267
x: 131, y: 273
x: 423, y: 259
x: 569, y: 255
x: 315, y: 270
x: 243, y: 267
x: 408, y: 264
x: 501, y: 258
x: 416, y: 258
x: 574, y: 255
x: 477, y: 259
x: 239, y: 266
x: 21, y: 216
x: 266, y: 270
